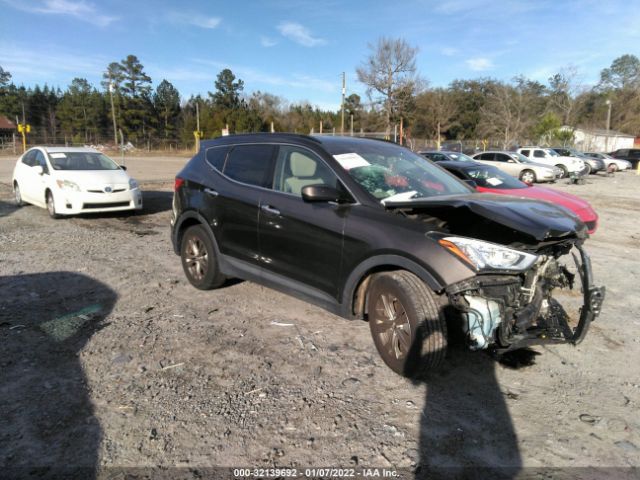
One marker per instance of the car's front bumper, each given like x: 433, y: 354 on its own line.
x: 504, y: 312
x: 70, y: 202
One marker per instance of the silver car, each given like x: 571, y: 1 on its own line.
x: 519, y: 166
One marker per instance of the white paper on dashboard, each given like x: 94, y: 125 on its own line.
x: 351, y: 160
x: 494, y: 182
x: 58, y: 155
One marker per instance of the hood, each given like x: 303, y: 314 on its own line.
x: 500, y: 218
x: 89, y: 178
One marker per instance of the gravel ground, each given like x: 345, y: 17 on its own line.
x: 111, y: 359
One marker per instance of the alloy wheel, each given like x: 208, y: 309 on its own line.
x: 196, y: 258
x: 51, y: 206
x: 391, y: 325
x: 528, y: 177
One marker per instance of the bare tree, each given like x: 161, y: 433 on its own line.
x: 504, y: 115
x: 389, y: 72
x: 564, y: 88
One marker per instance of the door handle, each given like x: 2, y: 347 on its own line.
x: 269, y: 209
x: 211, y: 192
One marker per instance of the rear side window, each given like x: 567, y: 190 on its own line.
x: 525, y: 152
x: 250, y: 164
x: 216, y: 156
x: 487, y: 156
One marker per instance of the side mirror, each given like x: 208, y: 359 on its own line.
x: 321, y: 193
x: 38, y: 169
x: 471, y: 183
x: 123, y: 167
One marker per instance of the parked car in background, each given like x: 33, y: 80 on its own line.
x: 612, y: 163
x: 370, y: 230
x: 630, y: 154
x: 489, y: 179
x: 596, y: 164
x: 69, y: 181
x: 519, y: 166
x: 546, y: 156
x: 443, y: 155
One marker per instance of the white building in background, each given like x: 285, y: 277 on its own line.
x: 600, y: 140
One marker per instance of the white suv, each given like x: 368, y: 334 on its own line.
x: 547, y: 156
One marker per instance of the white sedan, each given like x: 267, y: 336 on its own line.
x: 612, y: 163
x: 68, y: 181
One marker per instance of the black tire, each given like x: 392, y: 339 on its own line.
x: 414, y: 308
x: 565, y: 172
x: 528, y: 176
x: 199, y: 260
x: 612, y: 167
x: 586, y: 170
x: 51, y: 206
x: 17, y: 195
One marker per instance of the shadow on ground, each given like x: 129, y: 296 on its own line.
x: 465, y: 428
x: 47, y: 427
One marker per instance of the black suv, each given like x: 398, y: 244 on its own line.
x: 370, y: 230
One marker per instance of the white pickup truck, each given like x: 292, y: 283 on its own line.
x: 547, y: 156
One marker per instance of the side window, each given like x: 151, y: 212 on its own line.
x: 622, y: 153
x: 250, y: 164
x: 525, y: 152
x: 501, y: 157
x: 458, y: 174
x: 297, y: 168
x: 487, y: 156
x: 216, y: 156
x: 539, y: 154
x: 29, y: 158
x: 40, y: 160
x: 634, y: 153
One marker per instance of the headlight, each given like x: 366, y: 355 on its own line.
x: 132, y: 184
x: 488, y: 256
x: 68, y: 185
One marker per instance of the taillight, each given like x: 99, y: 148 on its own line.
x: 178, y: 183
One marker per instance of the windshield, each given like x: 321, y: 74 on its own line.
x: 491, y: 177
x: 521, y: 158
x: 392, y: 173
x: 552, y: 153
x: 460, y: 157
x: 81, y: 161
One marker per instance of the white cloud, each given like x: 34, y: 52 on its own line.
x: 253, y: 76
x: 479, y: 64
x: 194, y: 19
x: 267, y: 42
x: 300, y: 34
x: 80, y: 10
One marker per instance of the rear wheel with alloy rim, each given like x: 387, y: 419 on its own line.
x: 406, y: 324
x: 528, y: 176
x: 199, y: 260
x: 51, y: 206
x: 565, y: 172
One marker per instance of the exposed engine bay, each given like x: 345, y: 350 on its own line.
x: 547, y: 295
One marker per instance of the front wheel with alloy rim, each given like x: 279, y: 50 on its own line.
x: 528, y: 176
x: 17, y: 195
x: 565, y: 172
x: 407, y: 327
x: 612, y: 167
x: 199, y: 260
x: 51, y: 206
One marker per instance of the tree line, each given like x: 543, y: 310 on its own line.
x: 503, y: 112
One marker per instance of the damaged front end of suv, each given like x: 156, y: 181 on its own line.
x: 534, y: 282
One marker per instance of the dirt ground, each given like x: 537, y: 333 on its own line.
x: 110, y: 359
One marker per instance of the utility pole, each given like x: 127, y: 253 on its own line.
x: 113, y: 112
x: 344, y: 89
x: 606, y: 139
x: 351, y: 131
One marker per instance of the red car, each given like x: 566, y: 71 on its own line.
x: 489, y: 179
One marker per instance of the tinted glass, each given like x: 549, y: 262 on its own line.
x: 297, y: 168
x: 525, y: 153
x: 538, y: 154
x: 81, y: 161
x: 250, y: 164
x: 29, y: 158
x: 491, y: 177
x: 40, y: 160
x: 501, y: 157
x: 634, y: 153
x: 460, y: 157
x: 216, y: 156
x: 393, y: 173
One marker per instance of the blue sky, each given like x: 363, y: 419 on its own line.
x: 298, y: 49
